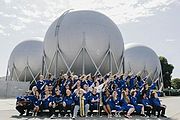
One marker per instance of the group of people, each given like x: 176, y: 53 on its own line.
x: 73, y: 95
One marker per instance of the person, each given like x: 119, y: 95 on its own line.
x: 47, y: 103
x: 160, y: 108
x: 40, y: 84
x: 106, y: 102
x: 147, y: 105
x: 131, y: 81
x: 68, y: 103
x: 37, y: 102
x: 78, y: 93
x: 49, y: 80
x: 138, y: 107
x: 94, y: 101
x: 25, y: 102
x: 126, y: 103
x: 115, y: 102
x: 20, y: 105
x: 148, y: 89
x: 58, y: 100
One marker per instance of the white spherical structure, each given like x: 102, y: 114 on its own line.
x: 142, y: 59
x: 91, y: 30
x: 26, y: 60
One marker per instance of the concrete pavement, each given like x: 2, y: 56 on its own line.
x: 8, y: 112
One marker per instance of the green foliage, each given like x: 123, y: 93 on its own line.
x: 172, y: 92
x: 176, y: 83
x: 167, y: 70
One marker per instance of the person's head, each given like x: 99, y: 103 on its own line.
x: 126, y: 91
x: 41, y: 77
x: 36, y: 93
x: 68, y: 92
x: 94, y: 90
x: 46, y: 87
x: 154, y: 95
x: 144, y: 95
x: 67, y: 86
x: 85, y: 87
x: 57, y: 92
x: 34, y: 88
x: 78, y: 83
x: 65, y: 76
x: 138, y: 78
x: 96, y: 83
x: 75, y: 77
x: 115, y: 94
x: 49, y: 76
x: 107, y: 93
x: 115, y: 76
x: 146, y: 86
x: 133, y: 93
x: 46, y: 92
x: 121, y: 76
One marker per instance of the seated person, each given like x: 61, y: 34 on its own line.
x: 106, y: 102
x: 147, y: 105
x: 68, y: 102
x: 126, y: 103
x: 160, y: 108
x: 138, y: 107
x: 47, y: 103
x: 94, y: 100
x: 37, y: 102
x: 115, y: 103
x: 58, y: 100
x: 80, y: 93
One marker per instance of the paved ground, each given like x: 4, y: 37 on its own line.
x: 8, y: 112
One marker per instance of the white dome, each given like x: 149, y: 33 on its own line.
x: 27, y: 53
x: 140, y: 58
x: 72, y: 28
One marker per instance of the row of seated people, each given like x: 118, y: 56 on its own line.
x: 87, y: 93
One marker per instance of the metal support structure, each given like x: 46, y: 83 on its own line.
x: 83, y: 54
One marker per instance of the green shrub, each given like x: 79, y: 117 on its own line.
x: 172, y: 92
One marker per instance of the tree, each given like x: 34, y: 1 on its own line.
x: 175, y: 83
x: 167, y: 70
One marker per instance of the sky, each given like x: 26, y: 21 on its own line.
x: 154, y: 23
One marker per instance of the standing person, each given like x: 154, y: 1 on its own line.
x: 138, y: 107
x: 40, y: 84
x: 157, y: 105
x: 68, y: 103
x: 147, y: 105
x: 126, y: 103
x: 79, y: 97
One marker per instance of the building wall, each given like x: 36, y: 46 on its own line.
x: 11, y: 89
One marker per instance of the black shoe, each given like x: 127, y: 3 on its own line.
x: 143, y: 115
x: 21, y: 114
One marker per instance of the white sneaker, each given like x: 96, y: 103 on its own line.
x: 59, y: 115
x: 73, y: 118
x: 66, y: 115
x: 53, y: 116
x: 91, y: 115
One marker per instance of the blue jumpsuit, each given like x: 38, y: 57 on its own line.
x: 135, y: 104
